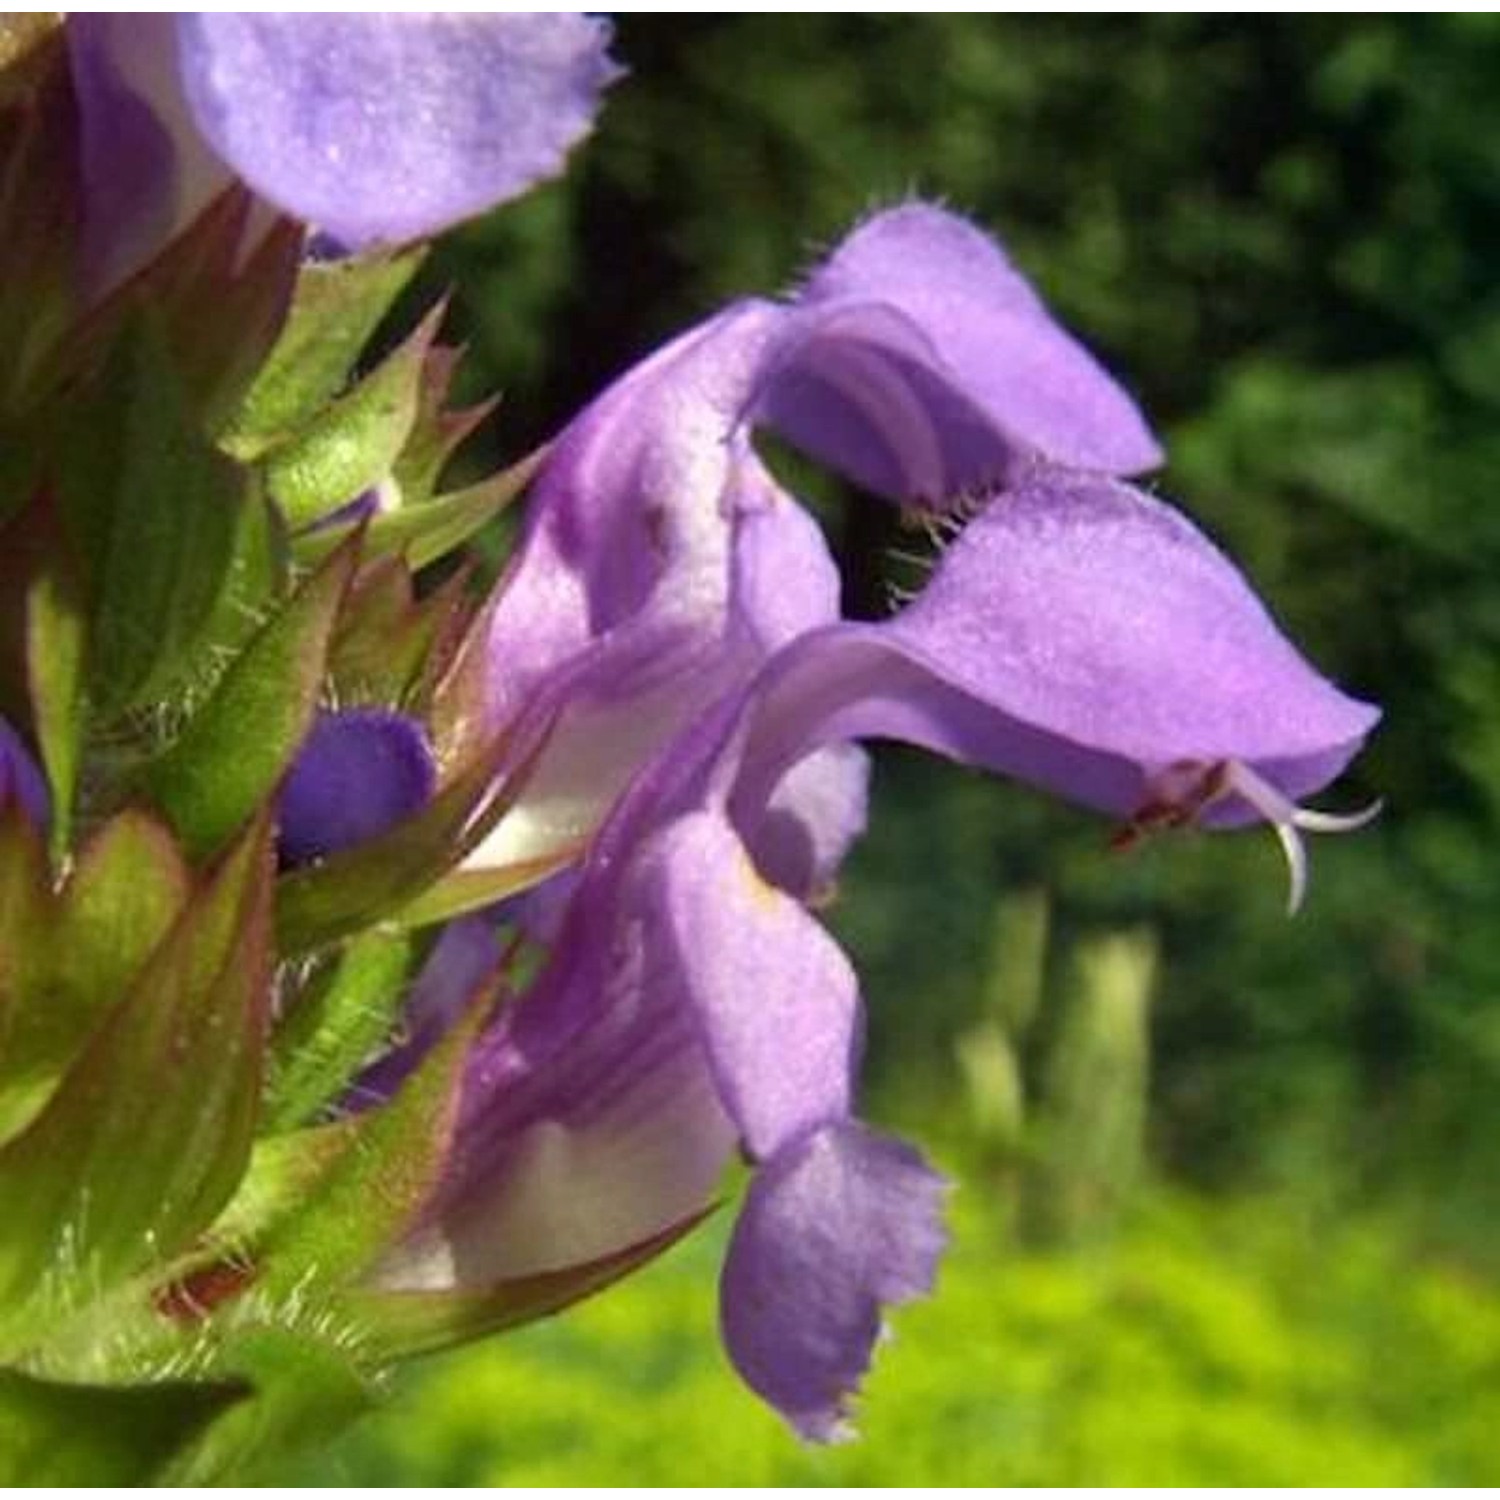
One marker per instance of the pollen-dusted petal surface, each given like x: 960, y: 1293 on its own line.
x: 379, y: 129
x: 357, y: 774
x: 842, y: 1223
x: 918, y: 361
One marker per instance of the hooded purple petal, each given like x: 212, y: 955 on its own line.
x: 840, y: 1224
x: 380, y: 129
x: 358, y: 774
x: 1079, y: 635
x: 20, y: 779
x: 922, y: 364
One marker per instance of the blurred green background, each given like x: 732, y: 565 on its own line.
x: 1229, y: 1183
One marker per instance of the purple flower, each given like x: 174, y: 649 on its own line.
x: 375, y: 129
x: 1078, y: 635
x: 662, y: 563
x: 20, y: 780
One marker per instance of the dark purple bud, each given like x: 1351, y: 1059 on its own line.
x: 358, y: 774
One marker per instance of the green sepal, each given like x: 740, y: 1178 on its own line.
x: 461, y: 891
x: 400, y: 1324
x: 55, y: 1434
x: 390, y: 645
x: 155, y: 511
x: 335, y: 1024
x: 25, y: 905
x: 424, y: 532
x: 335, y: 308
x: 437, y: 431
x: 324, y: 902
x: 375, y: 1190
x: 353, y: 443
x: 68, y: 953
x: 149, y: 1132
x: 43, y: 640
x: 239, y: 743
x: 307, y: 1383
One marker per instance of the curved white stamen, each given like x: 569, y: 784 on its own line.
x: 1322, y: 822
x: 1290, y: 821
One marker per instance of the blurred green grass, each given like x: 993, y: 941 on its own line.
x: 1242, y: 1343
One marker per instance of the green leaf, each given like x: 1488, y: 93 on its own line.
x: 334, y: 1026
x: 353, y: 443
x: 335, y: 309
x: 72, y: 953
x: 25, y: 904
x: 149, y: 1132
x: 53, y: 1434
x: 236, y: 747
x: 156, y: 512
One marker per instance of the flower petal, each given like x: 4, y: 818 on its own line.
x: 812, y: 821
x: 380, y: 129
x: 919, y: 362
x: 589, y: 1121
x: 776, y: 998
x: 838, y: 1225
x: 1081, y: 636
x: 660, y: 565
